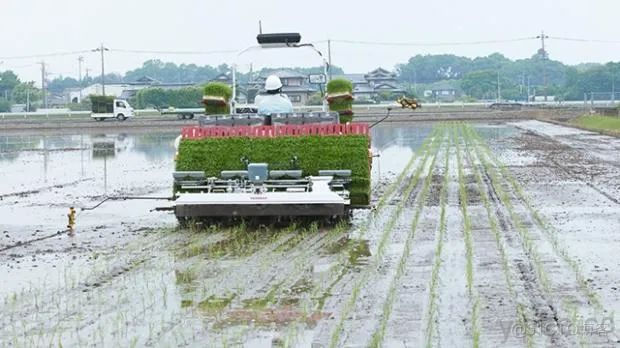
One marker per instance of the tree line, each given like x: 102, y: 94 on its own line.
x: 475, y: 78
x: 15, y: 91
x: 478, y: 77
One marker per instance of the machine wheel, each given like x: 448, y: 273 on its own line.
x: 190, y: 116
x: 121, y: 117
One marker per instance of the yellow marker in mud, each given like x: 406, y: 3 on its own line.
x: 71, y: 217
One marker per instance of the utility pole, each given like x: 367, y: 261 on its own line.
x: 499, y: 91
x: 43, y: 84
x: 80, y: 61
x: 542, y: 38
x: 329, y: 57
x: 613, y: 86
x: 528, y: 89
x: 102, y: 49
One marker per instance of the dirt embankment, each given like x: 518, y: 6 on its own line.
x: 68, y: 125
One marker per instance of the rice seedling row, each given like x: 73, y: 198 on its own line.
x: 528, y: 244
x: 335, y: 335
x: 379, y: 333
x: 550, y: 232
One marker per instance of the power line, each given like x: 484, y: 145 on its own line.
x: 345, y: 41
x: 461, y: 43
x: 45, y: 55
x: 582, y: 40
x: 12, y: 67
x: 120, y: 50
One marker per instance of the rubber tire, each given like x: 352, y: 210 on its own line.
x: 191, y: 116
x: 121, y: 117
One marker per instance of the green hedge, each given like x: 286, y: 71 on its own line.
x: 314, y: 153
x: 102, y: 104
x: 218, y: 89
x: 188, y: 97
x: 343, y: 107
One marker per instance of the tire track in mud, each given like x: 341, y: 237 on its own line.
x: 550, y: 232
x: 587, y: 183
x: 333, y: 335
x: 45, y: 188
x: 544, y: 305
x: 537, y: 306
x: 522, y: 315
x: 558, y: 151
x: 574, y: 309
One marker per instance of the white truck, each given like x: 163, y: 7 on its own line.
x: 108, y: 107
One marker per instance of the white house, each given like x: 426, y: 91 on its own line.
x: 113, y: 89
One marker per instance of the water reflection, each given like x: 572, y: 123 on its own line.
x: 152, y: 145
x: 403, y: 135
x: 40, y: 161
x: 394, y: 144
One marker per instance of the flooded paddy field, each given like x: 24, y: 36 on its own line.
x: 483, y: 234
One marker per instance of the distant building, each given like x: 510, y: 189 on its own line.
x: 72, y: 95
x: 112, y: 89
x: 19, y: 108
x: 367, y: 87
x: 223, y: 78
x: 540, y: 98
x: 56, y: 101
x: 443, y: 91
x: 295, y: 85
x: 124, y: 90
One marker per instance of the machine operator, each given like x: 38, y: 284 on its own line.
x: 274, y: 102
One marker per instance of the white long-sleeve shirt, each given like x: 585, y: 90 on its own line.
x: 273, y: 104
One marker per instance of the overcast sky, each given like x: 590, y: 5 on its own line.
x: 29, y: 27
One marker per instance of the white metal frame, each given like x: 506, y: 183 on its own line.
x: 272, y: 46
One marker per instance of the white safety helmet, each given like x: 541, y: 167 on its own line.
x: 273, y: 83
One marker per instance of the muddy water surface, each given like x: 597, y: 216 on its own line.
x: 42, y: 176
x: 131, y: 277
